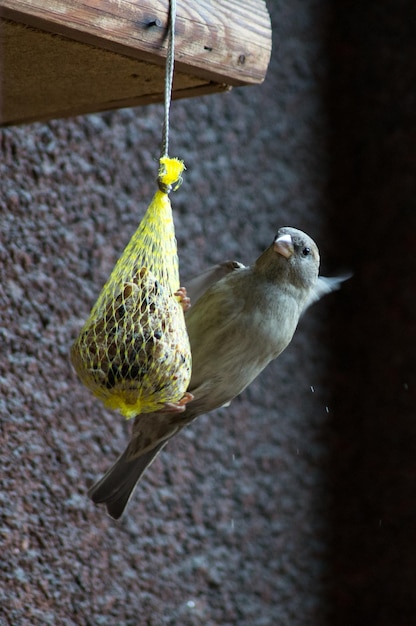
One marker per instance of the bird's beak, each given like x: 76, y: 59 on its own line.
x: 284, y: 245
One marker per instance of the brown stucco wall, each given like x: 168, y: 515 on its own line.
x: 295, y: 505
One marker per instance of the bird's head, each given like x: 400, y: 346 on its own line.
x: 293, y: 256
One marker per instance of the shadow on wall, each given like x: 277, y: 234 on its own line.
x: 373, y: 190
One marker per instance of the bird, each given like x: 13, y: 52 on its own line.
x: 241, y: 318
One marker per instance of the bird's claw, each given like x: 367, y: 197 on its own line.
x: 184, y: 299
x: 176, y: 407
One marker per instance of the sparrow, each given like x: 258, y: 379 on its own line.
x: 241, y: 318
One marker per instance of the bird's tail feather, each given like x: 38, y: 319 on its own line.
x: 116, y: 487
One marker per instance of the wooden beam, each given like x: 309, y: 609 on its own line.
x: 45, y: 76
x: 220, y: 38
x: 66, y: 57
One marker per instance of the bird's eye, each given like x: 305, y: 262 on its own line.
x: 306, y: 251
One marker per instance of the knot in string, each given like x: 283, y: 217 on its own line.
x: 170, y: 174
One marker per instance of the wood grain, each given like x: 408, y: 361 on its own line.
x: 47, y: 76
x: 227, y: 41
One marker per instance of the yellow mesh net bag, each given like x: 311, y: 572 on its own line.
x: 133, y: 351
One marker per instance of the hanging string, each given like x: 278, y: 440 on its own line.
x: 170, y: 60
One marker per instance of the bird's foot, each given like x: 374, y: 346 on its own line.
x: 176, y: 407
x: 184, y: 299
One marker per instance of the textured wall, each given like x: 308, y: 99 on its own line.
x: 306, y: 479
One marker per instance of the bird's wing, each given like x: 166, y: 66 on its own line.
x: 325, y: 285
x: 197, y: 285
